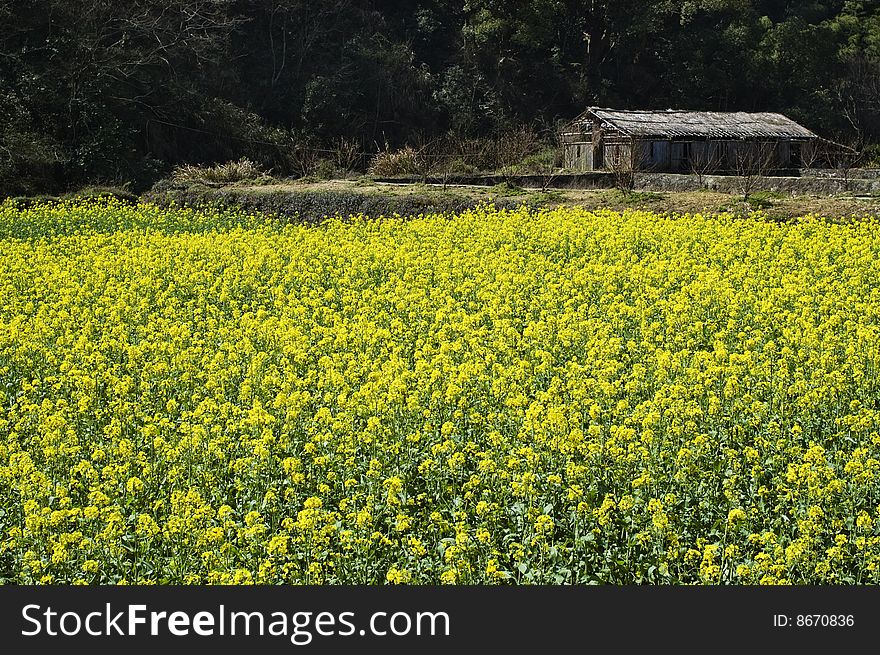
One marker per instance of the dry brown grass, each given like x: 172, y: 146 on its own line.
x: 228, y: 173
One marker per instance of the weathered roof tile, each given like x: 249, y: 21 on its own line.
x: 676, y: 124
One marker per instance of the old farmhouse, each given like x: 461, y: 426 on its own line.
x: 675, y: 141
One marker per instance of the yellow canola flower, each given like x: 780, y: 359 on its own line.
x: 216, y: 397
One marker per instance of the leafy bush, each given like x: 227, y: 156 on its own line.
x: 872, y: 156
x: 635, y: 197
x: 508, y: 189
x: 462, y: 168
x: 764, y: 199
x: 546, y: 159
x: 326, y: 169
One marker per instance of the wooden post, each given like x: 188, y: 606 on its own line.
x: 598, y: 146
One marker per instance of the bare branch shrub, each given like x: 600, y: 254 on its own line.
x: 857, y: 91
x: 300, y: 153
x: 512, y: 150
x: 427, y: 152
x: 752, y: 161
x: 346, y: 154
x: 704, y: 160
x: 478, y: 154
x: 844, y: 158
x: 547, y: 163
x: 811, y: 155
x: 625, y: 162
x: 449, y: 158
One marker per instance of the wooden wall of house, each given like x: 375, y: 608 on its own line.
x: 715, y: 156
x: 578, y: 148
x: 579, y: 156
x: 783, y: 154
x: 596, y: 151
x: 658, y: 155
x: 651, y: 155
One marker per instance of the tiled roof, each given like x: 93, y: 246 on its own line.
x: 672, y: 124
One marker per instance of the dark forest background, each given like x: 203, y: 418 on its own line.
x: 120, y: 91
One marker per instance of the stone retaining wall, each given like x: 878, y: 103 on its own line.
x: 808, y: 183
x: 732, y: 184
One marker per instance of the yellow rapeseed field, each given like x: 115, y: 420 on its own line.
x: 556, y: 396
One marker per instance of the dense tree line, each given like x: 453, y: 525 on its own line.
x: 121, y: 90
